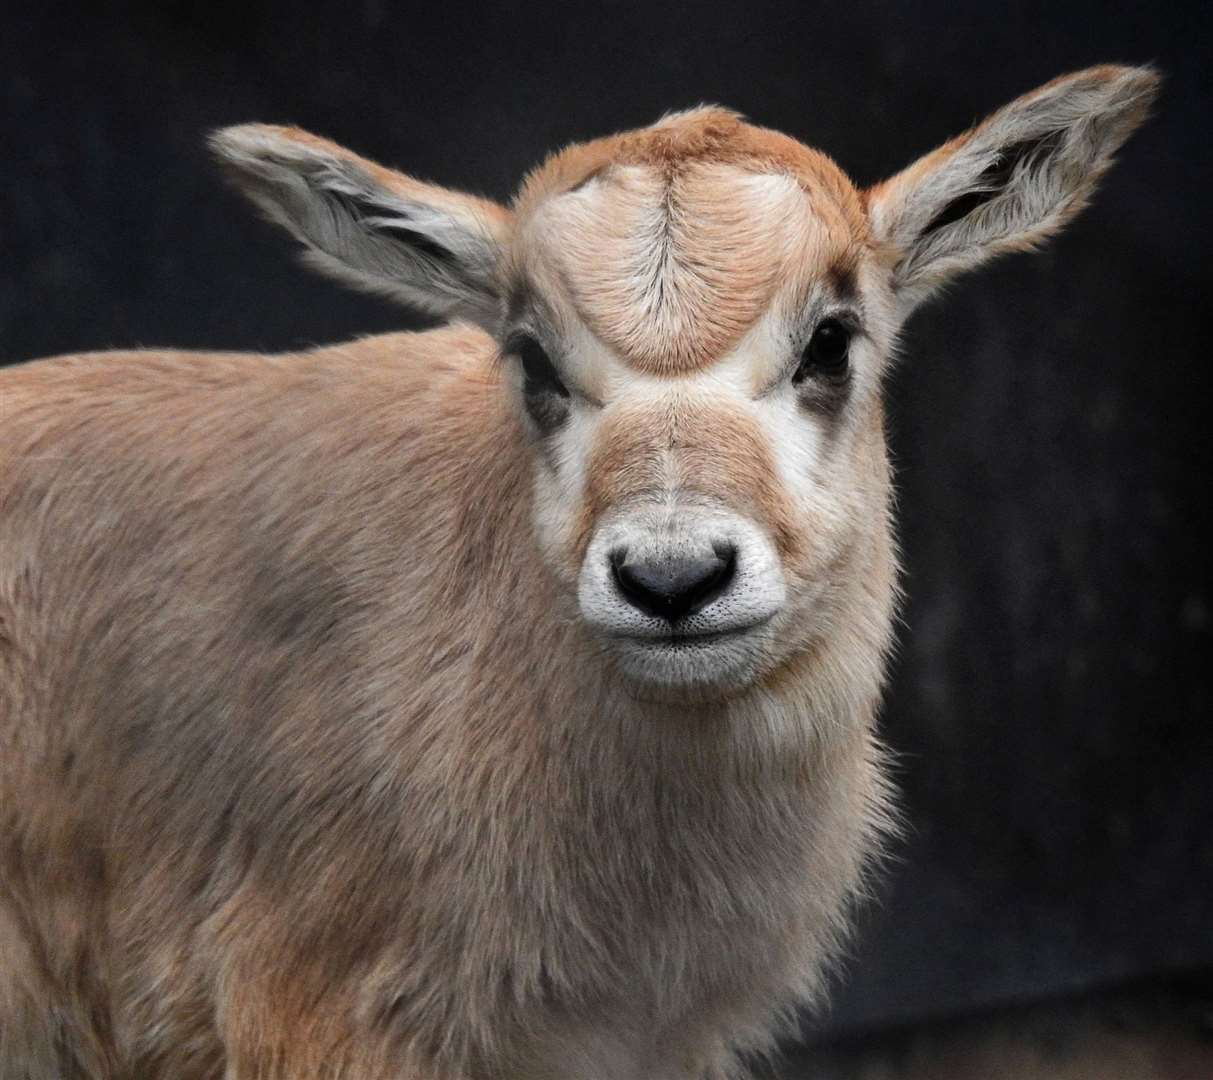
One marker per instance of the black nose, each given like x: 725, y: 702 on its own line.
x: 674, y: 586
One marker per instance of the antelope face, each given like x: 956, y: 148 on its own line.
x: 694, y: 319
x: 697, y: 349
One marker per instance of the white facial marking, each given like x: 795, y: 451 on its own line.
x: 659, y: 514
x: 718, y: 641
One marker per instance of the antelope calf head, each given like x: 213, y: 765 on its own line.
x: 696, y: 318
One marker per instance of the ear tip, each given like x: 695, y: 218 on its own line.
x: 1145, y: 79
x: 1140, y: 87
x: 1123, y: 93
x: 240, y: 141
x: 1138, y: 82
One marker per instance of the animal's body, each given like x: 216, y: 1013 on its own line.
x: 496, y: 701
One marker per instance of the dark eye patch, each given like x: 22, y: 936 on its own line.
x: 822, y: 377
x: 538, y: 371
x: 544, y: 394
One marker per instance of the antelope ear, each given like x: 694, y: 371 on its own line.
x: 430, y: 247
x: 1008, y: 183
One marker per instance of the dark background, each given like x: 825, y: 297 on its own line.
x: 1050, y: 419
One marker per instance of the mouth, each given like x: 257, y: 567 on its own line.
x: 674, y: 639
x: 681, y: 660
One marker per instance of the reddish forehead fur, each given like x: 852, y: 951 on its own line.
x: 707, y: 134
x: 721, y: 268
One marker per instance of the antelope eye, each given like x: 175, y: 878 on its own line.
x: 544, y: 396
x: 539, y: 373
x: 826, y: 354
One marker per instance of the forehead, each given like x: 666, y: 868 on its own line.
x: 671, y: 241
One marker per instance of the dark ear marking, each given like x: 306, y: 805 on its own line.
x: 995, y: 178
x: 369, y: 215
x: 421, y: 243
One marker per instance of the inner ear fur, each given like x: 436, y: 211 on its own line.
x: 435, y: 249
x: 1011, y: 181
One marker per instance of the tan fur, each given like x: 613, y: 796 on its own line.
x: 681, y: 251
x: 312, y: 764
x: 706, y: 135
x: 716, y: 452
x: 272, y: 577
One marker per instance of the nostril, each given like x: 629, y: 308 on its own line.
x: 674, y: 587
x: 727, y: 554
